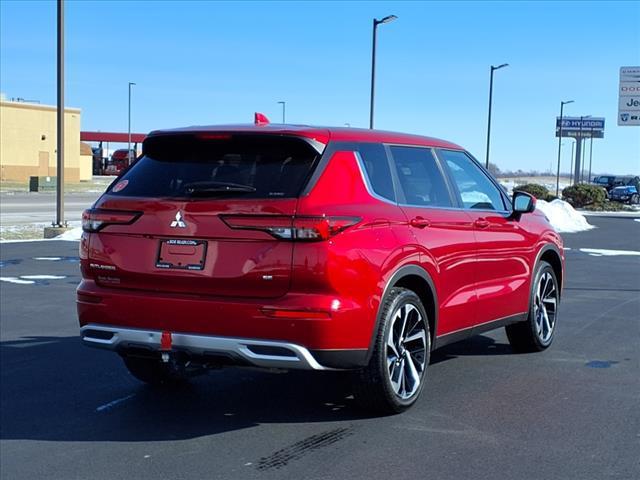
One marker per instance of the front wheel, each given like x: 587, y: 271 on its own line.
x: 395, y: 375
x: 635, y: 199
x: 537, y: 332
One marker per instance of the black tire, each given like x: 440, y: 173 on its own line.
x: 635, y: 199
x: 152, y: 371
x: 536, y: 334
x: 373, y: 386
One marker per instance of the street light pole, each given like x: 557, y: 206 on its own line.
x: 590, y: 155
x: 129, y: 135
x: 573, y: 145
x: 60, y: 120
x: 376, y: 22
x: 493, y: 69
x: 562, y: 104
x: 584, y: 151
x: 577, y: 174
x: 283, y: 103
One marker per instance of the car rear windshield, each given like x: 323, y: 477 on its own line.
x: 219, y: 165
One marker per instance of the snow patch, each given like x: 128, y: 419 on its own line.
x: 52, y: 259
x: 72, y: 235
x: 473, y: 197
x: 599, y: 252
x: 563, y: 217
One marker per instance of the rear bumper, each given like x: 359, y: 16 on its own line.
x: 258, y: 353
x: 117, y: 319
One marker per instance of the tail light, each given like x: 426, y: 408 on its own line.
x: 95, y: 219
x: 301, y: 229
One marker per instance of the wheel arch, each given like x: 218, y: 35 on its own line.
x: 550, y: 253
x: 418, y: 280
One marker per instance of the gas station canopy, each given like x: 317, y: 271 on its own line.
x: 115, y: 137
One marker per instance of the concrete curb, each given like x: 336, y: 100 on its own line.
x: 588, y: 213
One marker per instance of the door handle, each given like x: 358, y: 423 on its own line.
x: 419, y: 222
x: 481, y: 223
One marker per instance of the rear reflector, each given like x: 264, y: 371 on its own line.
x: 95, y: 219
x: 83, y: 297
x: 302, y: 229
x: 301, y: 314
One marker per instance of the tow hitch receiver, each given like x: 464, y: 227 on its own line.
x: 165, y: 346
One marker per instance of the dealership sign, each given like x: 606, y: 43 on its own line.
x: 580, y: 127
x: 629, y: 96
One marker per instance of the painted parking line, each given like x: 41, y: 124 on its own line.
x: 43, y: 277
x: 16, y: 280
x: 114, y: 403
x: 27, y: 344
x: 58, y: 259
x: 32, y: 279
x: 601, y: 252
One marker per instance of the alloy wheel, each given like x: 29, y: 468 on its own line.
x: 406, y: 350
x: 545, y: 307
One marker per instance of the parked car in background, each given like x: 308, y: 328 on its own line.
x: 627, y: 181
x: 312, y: 248
x: 119, y: 161
x: 625, y: 194
x: 610, y: 181
x: 605, y: 181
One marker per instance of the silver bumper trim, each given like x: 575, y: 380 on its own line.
x: 115, y: 338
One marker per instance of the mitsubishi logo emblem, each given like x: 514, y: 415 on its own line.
x: 178, y: 222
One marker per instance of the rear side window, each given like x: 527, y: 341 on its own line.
x: 420, y: 178
x: 476, y: 190
x: 203, y: 165
x: 376, y: 165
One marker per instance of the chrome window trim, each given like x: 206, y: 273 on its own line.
x: 431, y: 207
x: 367, y: 183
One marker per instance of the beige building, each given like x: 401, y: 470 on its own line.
x: 28, y: 143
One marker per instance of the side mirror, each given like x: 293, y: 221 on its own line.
x: 523, y: 203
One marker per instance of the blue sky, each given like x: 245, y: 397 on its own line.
x: 218, y: 62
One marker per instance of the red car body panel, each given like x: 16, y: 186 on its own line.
x: 323, y: 295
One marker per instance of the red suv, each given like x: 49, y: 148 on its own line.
x: 311, y: 248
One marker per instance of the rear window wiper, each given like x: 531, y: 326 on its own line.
x: 212, y: 188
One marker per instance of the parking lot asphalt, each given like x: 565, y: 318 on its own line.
x: 20, y: 208
x: 571, y: 412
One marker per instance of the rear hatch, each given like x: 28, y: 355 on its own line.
x: 189, y: 216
